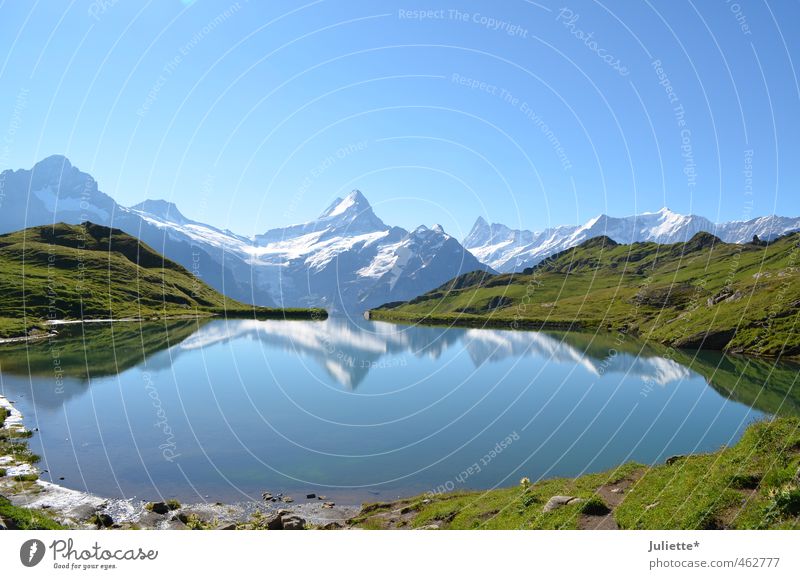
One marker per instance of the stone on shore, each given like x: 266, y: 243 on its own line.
x: 559, y: 501
x: 293, y: 522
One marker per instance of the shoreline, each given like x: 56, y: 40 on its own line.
x: 287, y: 315
x: 746, y: 486
x: 476, y: 322
x: 76, y: 509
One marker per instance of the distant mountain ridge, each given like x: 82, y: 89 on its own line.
x: 508, y: 250
x: 345, y: 260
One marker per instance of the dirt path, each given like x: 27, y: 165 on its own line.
x: 612, y: 494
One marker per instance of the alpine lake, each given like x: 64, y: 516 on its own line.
x: 359, y: 411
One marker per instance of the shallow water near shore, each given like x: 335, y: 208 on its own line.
x: 360, y: 411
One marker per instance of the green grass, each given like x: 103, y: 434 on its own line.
x: 754, y: 484
x: 18, y: 451
x: 737, y: 298
x: 26, y: 519
x: 90, y: 271
x: 14, y: 434
x: 14, y: 327
x: 506, y: 508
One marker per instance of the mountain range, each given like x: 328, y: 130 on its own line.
x: 508, y: 250
x: 347, y: 259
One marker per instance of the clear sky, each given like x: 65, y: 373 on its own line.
x: 251, y: 115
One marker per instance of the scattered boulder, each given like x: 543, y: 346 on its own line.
x: 150, y: 520
x: 101, y: 520
x: 287, y: 499
x: 274, y: 522
x: 331, y: 526
x: 82, y: 512
x: 311, y: 496
x: 267, y: 496
x: 673, y: 459
x: 293, y: 522
x: 559, y: 501
x: 227, y: 527
x: 328, y: 505
x: 175, y: 526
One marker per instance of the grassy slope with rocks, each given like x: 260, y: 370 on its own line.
x: 86, y: 271
x: 754, y: 484
x: 14, y: 450
x: 700, y: 293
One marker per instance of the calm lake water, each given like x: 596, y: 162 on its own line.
x: 226, y: 410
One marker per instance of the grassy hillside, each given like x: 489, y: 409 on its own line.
x: 701, y: 293
x: 91, y: 271
x: 752, y: 485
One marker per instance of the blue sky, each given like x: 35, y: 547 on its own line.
x: 251, y: 115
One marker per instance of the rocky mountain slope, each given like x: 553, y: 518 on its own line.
x: 347, y: 259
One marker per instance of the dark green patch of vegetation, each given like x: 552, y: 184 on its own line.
x: 743, y: 481
x: 100, y: 520
x: 785, y: 504
x: 26, y: 519
x: 595, y: 507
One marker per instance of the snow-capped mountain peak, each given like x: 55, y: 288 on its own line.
x: 353, y: 212
x: 507, y: 250
x: 347, y: 259
x: 354, y: 203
